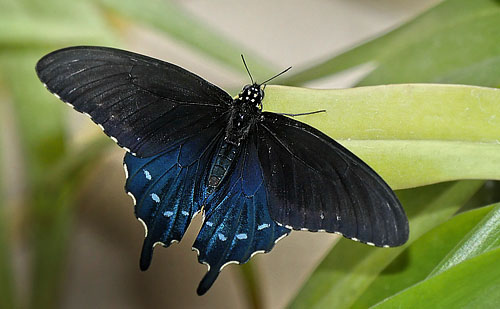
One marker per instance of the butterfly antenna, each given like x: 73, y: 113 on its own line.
x: 270, y: 79
x: 246, y: 67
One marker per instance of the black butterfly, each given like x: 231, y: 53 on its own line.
x: 191, y: 147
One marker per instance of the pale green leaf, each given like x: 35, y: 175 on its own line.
x: 470, y: 284
x: 350, y: 268
x: 412, y: 134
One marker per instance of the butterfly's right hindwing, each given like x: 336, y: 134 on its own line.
x: 147, y: 105
x: 166, y: 188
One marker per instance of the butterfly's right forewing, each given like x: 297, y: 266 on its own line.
x: 147, y: 105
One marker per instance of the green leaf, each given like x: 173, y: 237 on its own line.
x: 413, y: 134
x: 483, y: 238
x: 456, y: 41
x: 349, y: 268
x: 172, y: 20
x: 51, y: 23
x: 470, y: 284
x: 419, y: 259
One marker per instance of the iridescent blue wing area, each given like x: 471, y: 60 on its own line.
x: 314, y: 183
x: 165, y: 187
x: 237, y: 222
x: 144, y: 104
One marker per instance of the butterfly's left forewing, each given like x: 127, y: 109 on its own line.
x: 314, y: 183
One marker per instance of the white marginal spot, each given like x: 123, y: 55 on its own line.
x: 209, y: 223
x: 321, y: 230
x: 168, y: 213
x: 257, y: 252
x: 174, y: 241
x: 230, y: 262
x: 280, y: 238
x: 126, y: 170
x: 114, y: 139
x: 159, y: 243
x: 70, y: 105
x: 241, y: 236
x: 57, y: 96
x: 289, y: 227
x: 147, y: 174
x: 355, y: 239
x: 88, y: 115
x: 386, y: 246
x: 126, y: 149
x: 197, y: 251
x: 155, y: 197
x: 145, y: 227
x: 338, y: 233
x: 304, y: 229
x: 100, y: 126
x: 370, y: 243
x: 222, y: 237
x: 185, y: 213
x: 133, y: 197
x: 263, y: 226
x: 208, y: 265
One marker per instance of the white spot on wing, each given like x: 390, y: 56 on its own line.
x: 355, y: 239
x: 114, y: 139
x: 88, y: 115
x: 168, y: 213
x: 155, y: 197
x: 222, y: 237
x: 209, y: 223
x: 100, y: 126
x: 147, y: 174
x: 185, y: 213
x: 370, y: 243
x: 241, y: 236
x: 263, y: 226
x: 386, y: 246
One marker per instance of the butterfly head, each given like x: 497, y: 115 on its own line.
x: 252, y: 95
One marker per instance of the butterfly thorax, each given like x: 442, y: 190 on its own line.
x: 245, y: 112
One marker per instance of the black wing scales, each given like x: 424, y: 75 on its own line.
x: 314, y: 183
x: 145, y: 104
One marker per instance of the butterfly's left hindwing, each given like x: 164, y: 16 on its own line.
x: 237, y: 223
x: 166, y: 186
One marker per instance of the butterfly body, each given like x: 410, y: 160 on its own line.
x: 191, y: 147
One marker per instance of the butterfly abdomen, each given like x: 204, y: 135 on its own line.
x: 221, y: 165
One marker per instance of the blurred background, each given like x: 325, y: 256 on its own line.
x: 68, y: 234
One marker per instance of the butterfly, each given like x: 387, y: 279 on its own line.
x: 192, y: 148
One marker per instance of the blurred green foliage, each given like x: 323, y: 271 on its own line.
x: 455, y: 42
